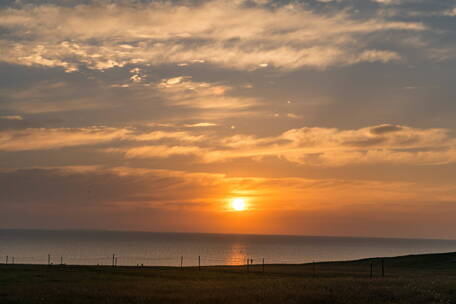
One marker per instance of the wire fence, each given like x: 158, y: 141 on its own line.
x: 119, y: 260
x: 247, y: 264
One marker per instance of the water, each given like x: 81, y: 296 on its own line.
x: 165, y: 249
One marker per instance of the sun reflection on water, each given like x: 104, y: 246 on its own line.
x: 237, y: 256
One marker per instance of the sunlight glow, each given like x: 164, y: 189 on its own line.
x: 238, y: 204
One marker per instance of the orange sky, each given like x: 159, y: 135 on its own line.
x: 327, y: 117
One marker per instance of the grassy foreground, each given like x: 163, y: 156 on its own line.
x: 409, y: 279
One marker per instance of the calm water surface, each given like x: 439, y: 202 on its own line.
x: 165, y: 249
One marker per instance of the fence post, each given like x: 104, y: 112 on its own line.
x: 61, y: 260
x: 199, y: 263
x: 383, y: 267
x: 371, y: 270
x: 263, y: 265
x: 49, y: 259
x: 113, y: 259
x: 6, y: 260
x: 182, y: 261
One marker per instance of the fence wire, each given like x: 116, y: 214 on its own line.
x: 125, y: 260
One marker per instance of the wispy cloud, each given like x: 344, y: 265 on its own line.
x: 162, y: 151
x: 322, y: 147
x: 310, y: 146
x: 159, y: 135
x: 182, y: 91
x: 11, y: 117
x: 201, y: 125
x: 226, y: 33
x: 41, y: 138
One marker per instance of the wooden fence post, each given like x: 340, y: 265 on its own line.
x: 6, y: 260
x: 182, y: 261
x: 263, y: 265
x: 61, y: 260
x: 113, y: 259
x: 371, y: 270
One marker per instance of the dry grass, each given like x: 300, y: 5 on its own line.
x: 413, y: 279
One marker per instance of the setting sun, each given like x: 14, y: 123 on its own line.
x: 238, y: 204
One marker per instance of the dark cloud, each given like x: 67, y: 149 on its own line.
x: 384, y: 129
x: 92, y: 187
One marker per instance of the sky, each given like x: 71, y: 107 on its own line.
x: 327, y: 117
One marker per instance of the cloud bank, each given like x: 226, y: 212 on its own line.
x: 230, y: 34
x: 314, y: 146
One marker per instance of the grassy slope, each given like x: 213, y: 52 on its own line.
x: 410, y: 279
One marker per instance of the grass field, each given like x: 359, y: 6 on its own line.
x: 409, y: 279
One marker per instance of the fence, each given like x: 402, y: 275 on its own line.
x: 114, y: 259
x: 256, y: 264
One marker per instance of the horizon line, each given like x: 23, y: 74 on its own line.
x: 225, y: 233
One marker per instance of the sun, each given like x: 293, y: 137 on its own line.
x: 238, y: 204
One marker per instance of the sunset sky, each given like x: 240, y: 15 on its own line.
x: 327, y: 117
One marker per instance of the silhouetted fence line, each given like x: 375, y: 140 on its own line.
x: 178, y: 261
x: 374, y: 267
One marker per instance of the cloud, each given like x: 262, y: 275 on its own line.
x: 388, y: 2
x: 12, y: 117
x: 313, y: 146
x: 167, y: 83
x: 230, y: 34
x: 319, y: 147
x: 377, y: 144
x: 450, y: 12
x: 96, y: 187
x: 382, y: 129
x: 169, y: 189
x: 159, y: 135
x: 201, y: 124
x: 161, y: 151
x: 51, y: 96
x: 46, y: 138
x: 183, y: 92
